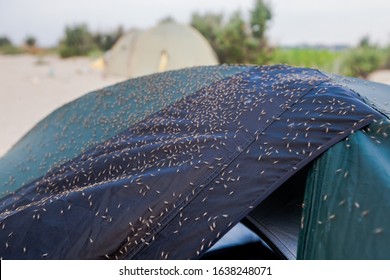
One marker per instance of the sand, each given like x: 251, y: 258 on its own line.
x: 32, y: 87
x: 380, y: 76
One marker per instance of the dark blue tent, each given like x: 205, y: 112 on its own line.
x: 161, y: 167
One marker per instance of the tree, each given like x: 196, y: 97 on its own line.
x: 4, y: 41
x: 362, y: 60
x: 232, y: 41
x: 235, y: 40
x: 365, y: 42
x: 386, y: 60
x: 78, y: 41
x: 259, y: 17
x: 105, y: 41
x: 210, y: 26
x: 6, y: 46
x: 30, y: 41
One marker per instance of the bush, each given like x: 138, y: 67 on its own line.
x: 4, y: 41
x: 7, y: 48
x: 105, y: 41
x: 386, y: 58
x: 78, y: 41
x: 237, y: 40
x: 10, y: 50
x: 361, y: 61
x: 30, y: 41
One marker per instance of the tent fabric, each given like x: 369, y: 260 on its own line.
x: 168, y: 46
x: 96, y: 117
x: 375, y: 94
x: 118, y: 58
x: 172, y: 184
x: 348, y: 197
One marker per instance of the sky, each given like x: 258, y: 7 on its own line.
x: 294, y: 22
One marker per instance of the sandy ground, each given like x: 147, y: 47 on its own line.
x: 32, y: 87
x: 380, y: 76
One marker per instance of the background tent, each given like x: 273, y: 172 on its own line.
x: 168, y: 46
x: 118, y: 59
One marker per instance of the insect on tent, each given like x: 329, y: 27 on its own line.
x: 163, y: 166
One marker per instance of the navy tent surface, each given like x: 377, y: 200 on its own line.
x: 161, y: 167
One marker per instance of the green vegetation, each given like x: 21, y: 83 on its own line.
x: 30, y: 41
x: 363, y: 59
x: 105, y: 41
x: 386, y: 57
x: 79, y: 41
x: 360, y: 62
x: 210, y: 26
x: 322, y: 59
x: 4, y: 41
x: 6, y: 47
x: 236, y: 40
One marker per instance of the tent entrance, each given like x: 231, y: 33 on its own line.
x: 271, y: 230
x: 277, y: 219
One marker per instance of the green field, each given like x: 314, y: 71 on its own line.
x: 323, y: 59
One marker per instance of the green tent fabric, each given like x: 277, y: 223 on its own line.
x: 345, y: 216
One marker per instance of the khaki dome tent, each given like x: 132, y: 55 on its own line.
x: 168, y: 46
